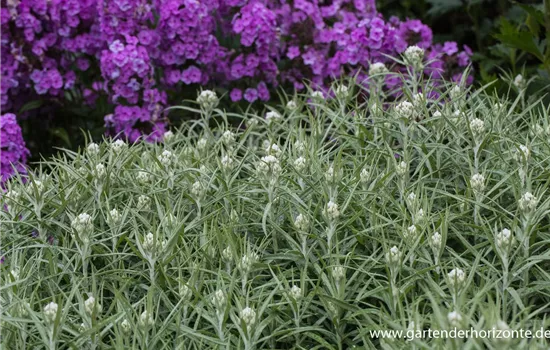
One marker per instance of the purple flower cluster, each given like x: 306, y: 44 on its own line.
x: 136, y: 51
x: 13, y: 151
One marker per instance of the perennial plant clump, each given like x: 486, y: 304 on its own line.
x: 226, y: 241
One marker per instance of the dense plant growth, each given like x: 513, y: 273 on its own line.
x: 129, y: 59
x: 306, y: 227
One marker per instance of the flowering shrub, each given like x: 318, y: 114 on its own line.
x: 135, y: 51
x: 309, y: 229
x: 13, y: 153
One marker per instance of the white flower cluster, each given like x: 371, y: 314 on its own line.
x: 505, y: 240
x: 143, y: 177
x: 248, y: 316
x: 50, y: 312
x: 168, y: 136
x: 295, y: 292
x: 118, y: 146
x: 146, y: 319
x: 317, y: 95
x: 519, y: 82
x: 114, y: 217
x: 456, y: 279
x: 393, y: 257
x: 342, y: 91
x: 401, y: 168
x: 272, y: 116
x: 477, y: 182
x: 247, y: 261
x: 377, y: 68
x: 435, y: 242
x: 228, y: 163
x: 82, y: 224
x: 405, y: 110
x: 332, y: 211
x: 269, y: 167
x: 166, y: 158
x: 414, y: 56
x: 91, y: 306
x: 301, y: 222
x: 208, y: 100
x: 527, y: 203
x: 151, y: 245
x: 291, y: 105
x: 522, y: 154
x: 338, y: 273
x: 219, y: 299
x: 144, y: 202
x: 228, y: 138
x: 93, y: 149
x: 478, y: 127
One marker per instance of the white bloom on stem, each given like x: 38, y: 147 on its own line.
x: 364, y: 175
x: 100, y: 171
x: 185, y: 292
x: 114, y: 217
x: 300, y: 146
x: 146, y: 319
x: 528, y: 202
x: 143, y: 177
x: 393, y: 257
x: 93, y: 149
x: 219, y: 299
x: 455, y: 92
x: 295, y: 292
x: 477, y: 126
x: 505, y: 240
x: 414, y: 56
x: 291, y: 105
x: 342, y: 91
x: 477, y: 181
x: 201, y: 144
x: 248, y: 316
x: 401, y: 168
x: 269, y: 166
x: 437, y: 114
x: 301, y: 222
x: 149, y: 243
x: 168, y: 136
x: 522, y: 154
x: 377, y: 68
x: 332, y: 211
x: 300, y: 163
x: 454, y: 318
x: 91, y: 306
x: 228, y: 138
x: 272, y: 116
x: 166, y: 158
x: 456, y: 279
x: 82, y: 224
x: 119, y: 146
x: 338, y: 272
x: 227, y: 255
x: 317, y: 95
x: 519, y: 81
x: 405, y: 109
x: 435, y: 241
x: 227, y: 162
x: 125, y: 326
x: 272, y: 149
x: 143, y: 202
x: 50, y: 312
x: 410, y: 233
x: 208, y: 100
x: 247, y: 261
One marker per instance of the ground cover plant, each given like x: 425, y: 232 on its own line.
x: 305, y: 227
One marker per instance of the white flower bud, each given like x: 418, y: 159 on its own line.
x: 317, y: 95
x: 477, y: 182
x: 295, y: 292
x: 522, y: 154
x: 197, y: 189
x: 248, y: 316
x: 420, y: 218
x: 146, y: 319
x: 168, y: 136
x: 291, y: 105
x: 119, y: 146
x: 300, y: 147
x: 332, y: 211
x: 201, y: 144
x: 456, y: 279
x: 227, y: 163
x: 272, y: 116
x: 185, y: 292
x: 527, y: 203
x: 519, y: 82
x: 228, y: 138
x: 454, y: 318
x: 477, y: 126
x: 15, y: 273
x: 143, y: 177
x: 401, y: 168
x: 247, y: 261
x: 393, y: 257
x: 93, y: 149
x: 437, y: 114
x: 90, y: 305
x: 50, y: 312
x: 227, y: 255
x: 208, y: 100
x: 273, y: 149
x: 342, y: 91
x: 414, y: 56
x: 166, y: 158
x: 115, y: 217
x: 143, y: 202
x: 405, y: 110
x: 505, y: 240
x: 125, y: 326
x: 82, y: 224
x: 410, y: 233
x: 455, y: 93
x: 301, y: 222
x: 435, y: 241
x: 364, y: 175
x: 149, y: 243
x: 100, y: 171
x: 219, y: 299
x: 377, y: 68
x: 338, y: 272
x: 300, y: 164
